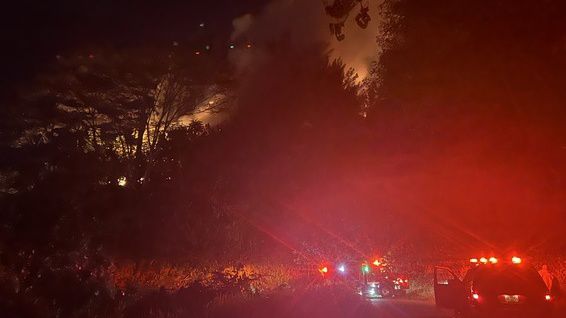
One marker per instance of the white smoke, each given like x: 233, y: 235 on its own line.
x: 241, y: 25
x: 305, y: 23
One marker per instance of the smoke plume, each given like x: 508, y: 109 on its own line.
x: 304, y: 23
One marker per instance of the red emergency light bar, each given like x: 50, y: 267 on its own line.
x: 493, y: 260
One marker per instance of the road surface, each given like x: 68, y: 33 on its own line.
x: 323, y: 305
x: 331, y: 304
x: 400, y: 308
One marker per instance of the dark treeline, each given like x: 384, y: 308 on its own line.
x: 475, y: 89
x: 105, y: 159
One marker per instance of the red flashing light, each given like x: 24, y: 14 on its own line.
x: 548, y: 297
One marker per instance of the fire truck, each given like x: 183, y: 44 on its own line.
x: 371, y: 279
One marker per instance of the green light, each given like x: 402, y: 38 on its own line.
x: 365, y: 268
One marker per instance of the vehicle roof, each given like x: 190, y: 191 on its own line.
x: 475, y: 271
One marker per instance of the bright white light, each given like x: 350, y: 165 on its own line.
x: 342, y: 268
x: 122, y: 181
x: 372, y: 291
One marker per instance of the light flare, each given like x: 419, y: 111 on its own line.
x: 516, y: 260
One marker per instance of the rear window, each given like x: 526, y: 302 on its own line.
x: 510, y: 280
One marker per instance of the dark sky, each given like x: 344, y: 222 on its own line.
x: 34, y: 32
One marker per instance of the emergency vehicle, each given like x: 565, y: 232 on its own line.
x: 494, y: 287
x: 373, y: 279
